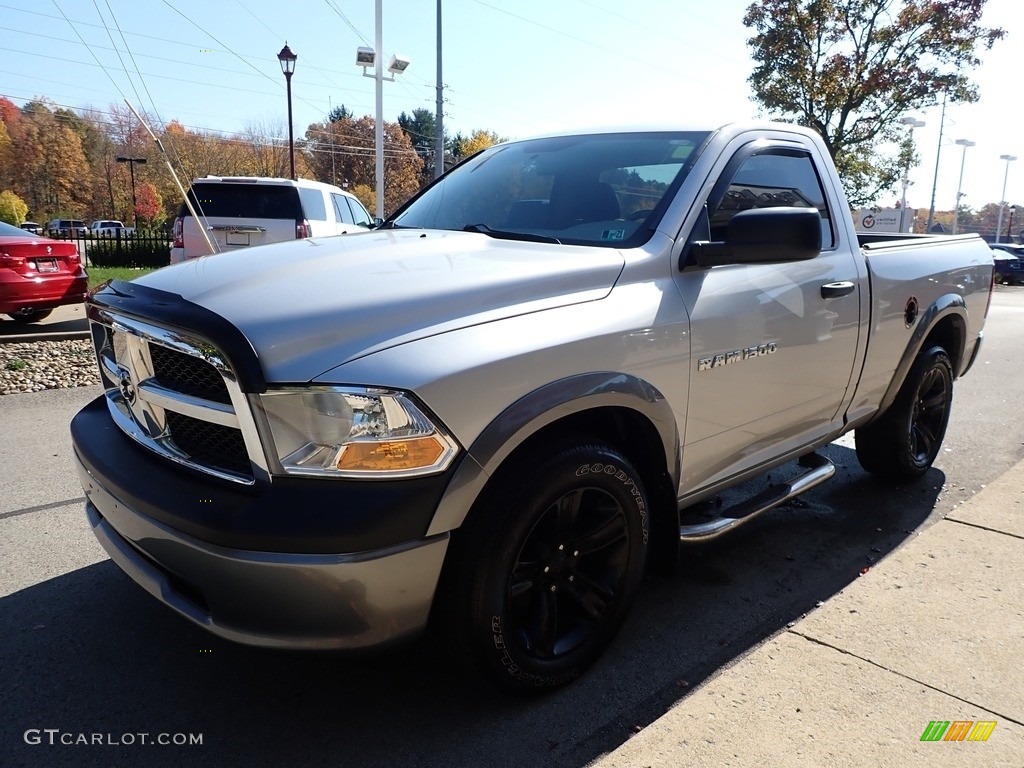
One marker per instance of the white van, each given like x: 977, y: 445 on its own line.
x: 243, y: 211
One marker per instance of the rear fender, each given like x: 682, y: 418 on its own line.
x: 948, y: 311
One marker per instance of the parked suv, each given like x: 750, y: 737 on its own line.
x: 66, y: 228
x: 241, y: 212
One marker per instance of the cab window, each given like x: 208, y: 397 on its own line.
x: 771, y: 179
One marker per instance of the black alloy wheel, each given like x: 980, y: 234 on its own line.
x: 544, y: 570
x: 903, y: 443
x: 568, y: 572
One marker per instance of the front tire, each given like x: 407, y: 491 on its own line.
x: 905, y: 441
x: 548, y: 565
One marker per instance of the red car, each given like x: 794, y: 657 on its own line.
x: 37, y: 274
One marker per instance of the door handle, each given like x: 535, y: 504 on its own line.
x: 835, y: 290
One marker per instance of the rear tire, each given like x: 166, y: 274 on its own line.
x: 905, y: 441
x: 546, y: 568
x: 26, y: 316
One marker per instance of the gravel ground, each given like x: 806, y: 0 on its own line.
x: 38, y: 365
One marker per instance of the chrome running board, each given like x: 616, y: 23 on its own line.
x: 820, y: 470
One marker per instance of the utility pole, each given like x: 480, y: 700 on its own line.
x: 935, y: 179
x: 439, y: 120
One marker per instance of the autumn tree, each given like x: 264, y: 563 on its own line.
x: 343, y: 152
x: 51, y: 173
x: 149, y: 208
x: 12, y: 208
x: 984, y: 221
x: 6, y: 153
x: 464, y: 146
x: 265, y: 151
x: 850, y: 68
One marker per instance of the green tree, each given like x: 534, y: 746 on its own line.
x: 340, y: 112
x: 850, y: 68
x: 421, y: 128
x: 342, y: 152
x: 12, y: 208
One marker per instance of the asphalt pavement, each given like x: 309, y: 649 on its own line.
x: 928, y: 644
x: 66, y: 322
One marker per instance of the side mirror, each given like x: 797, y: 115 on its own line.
x: 376, y: 223
x: 763, y: 236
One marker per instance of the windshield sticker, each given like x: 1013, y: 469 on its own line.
x: 613, y: 234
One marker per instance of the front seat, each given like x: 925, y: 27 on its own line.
x: 579, y: 202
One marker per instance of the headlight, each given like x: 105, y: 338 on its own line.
x: 354, y: 432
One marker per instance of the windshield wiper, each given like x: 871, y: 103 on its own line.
x: 500, y: 234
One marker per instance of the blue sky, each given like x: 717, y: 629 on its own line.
x: 519, y: 69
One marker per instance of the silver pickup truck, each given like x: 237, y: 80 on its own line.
x: 492, y: 413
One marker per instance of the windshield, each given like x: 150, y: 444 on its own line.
x: 600, y: 189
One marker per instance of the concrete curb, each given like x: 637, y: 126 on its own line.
x: 934, y: 632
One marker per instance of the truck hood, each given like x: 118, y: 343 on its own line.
x: 310, y: 305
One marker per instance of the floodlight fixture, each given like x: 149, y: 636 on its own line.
x: 365, y: 57
x: 398, y: 64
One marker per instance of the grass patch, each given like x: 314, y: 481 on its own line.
x: 17, y: 364
x: 99, y: 275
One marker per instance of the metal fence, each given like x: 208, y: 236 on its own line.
x: 141, y: 249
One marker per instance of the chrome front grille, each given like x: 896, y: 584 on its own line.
x: 209, y: 444
x: 188, y: 374
x: 177, y: 395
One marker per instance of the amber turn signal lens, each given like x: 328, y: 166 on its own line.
x: 391, y: 455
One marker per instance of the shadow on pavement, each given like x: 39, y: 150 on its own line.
x: 65, y: 322
x: 90, y: 652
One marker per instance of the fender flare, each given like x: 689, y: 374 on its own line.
x: 538, y: 409
x: 947, y: 305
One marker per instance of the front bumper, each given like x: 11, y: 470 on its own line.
x: 311, y: 599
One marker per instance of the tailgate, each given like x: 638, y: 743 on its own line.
x: 230, y: 234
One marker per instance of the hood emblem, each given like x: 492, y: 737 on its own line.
x: 125, y: 384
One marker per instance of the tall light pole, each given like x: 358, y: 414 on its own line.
x: 1009, y: 227
x: 965, y: 143
x: 131, y: 167
x: 371, y: 57
x: 287, y: 59
x: 1002, y: 200
x: 913, y: 122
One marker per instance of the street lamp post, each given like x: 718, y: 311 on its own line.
x: 1009, y: 227
x: 965, y: 143
x: 131, y: 167
x: 370, y: 57
x: 287, y: 59
x: 913, y: 122
x: 1002, y: 200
